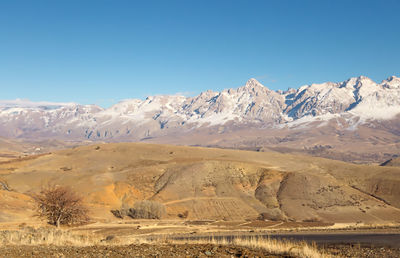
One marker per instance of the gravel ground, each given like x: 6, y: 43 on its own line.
x: 143, y: 250
x: 193, y: 250
x: 362, y: 251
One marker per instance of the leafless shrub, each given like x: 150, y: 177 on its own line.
x: 183, y: 215
x: 147, y: 210
x: 314, y: 219
x: 272, y: 216
x: 117, y: 213
x: 61, y: 206
x: 263, y: 216
x: 4, y: 185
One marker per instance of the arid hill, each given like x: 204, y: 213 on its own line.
x: 209, y: 183
x: 18, y: 148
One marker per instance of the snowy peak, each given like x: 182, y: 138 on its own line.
x: 393, y: 78
x: 357, y: 82
x: 253, y: 83
x: 254, y: 86
x: 392, y: 82
x: 252, y: 105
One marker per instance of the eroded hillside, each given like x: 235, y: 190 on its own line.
x: 208, y: 183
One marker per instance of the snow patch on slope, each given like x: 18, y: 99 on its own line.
x: 351, y: 103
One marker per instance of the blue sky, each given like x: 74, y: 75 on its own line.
x: 99, y: 52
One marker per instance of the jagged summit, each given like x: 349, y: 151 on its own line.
x: 253, y: 105
x: 251, y: 83
x: 357, y: 81
x: 363, y: 78
x: 392, y: 82
x: 254, y: 85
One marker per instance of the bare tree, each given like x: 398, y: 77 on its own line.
x: 61, y: 206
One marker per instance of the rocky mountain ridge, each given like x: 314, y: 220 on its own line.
x: 350, y: 103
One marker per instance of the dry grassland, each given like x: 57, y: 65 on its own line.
x: 57, y: 237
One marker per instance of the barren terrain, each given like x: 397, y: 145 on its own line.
x: 222, y: 192
x: 210, y: 184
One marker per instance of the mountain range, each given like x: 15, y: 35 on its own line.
x: 312, y: 118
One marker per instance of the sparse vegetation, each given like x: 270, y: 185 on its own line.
x: 147, y: 210
x: 183, y: 215
x: 280, y: 247
x: 4, y: 185
x: 118, y: 213
x: 50, y: 242
x: 45, y: 236
x: 142, y: 210
x: 314, y: 219
x: 61, y: 206
x: 58, y: 237
x: 264, y: 216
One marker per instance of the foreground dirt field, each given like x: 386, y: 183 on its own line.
x: 174, y: 250
x: 143, y: 250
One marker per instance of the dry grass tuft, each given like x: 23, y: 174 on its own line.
x: 274, y: 246
x: 45, y: 236
x: 60, y: 237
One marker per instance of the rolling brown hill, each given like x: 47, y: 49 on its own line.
x: 209, y: 183
x: 18, y: 148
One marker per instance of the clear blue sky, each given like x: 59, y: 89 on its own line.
x: 98, y: 52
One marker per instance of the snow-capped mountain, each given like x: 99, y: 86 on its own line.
x: 353, y: 102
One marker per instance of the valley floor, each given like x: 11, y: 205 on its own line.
x: 188, y: 250
x: 153, y: 238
